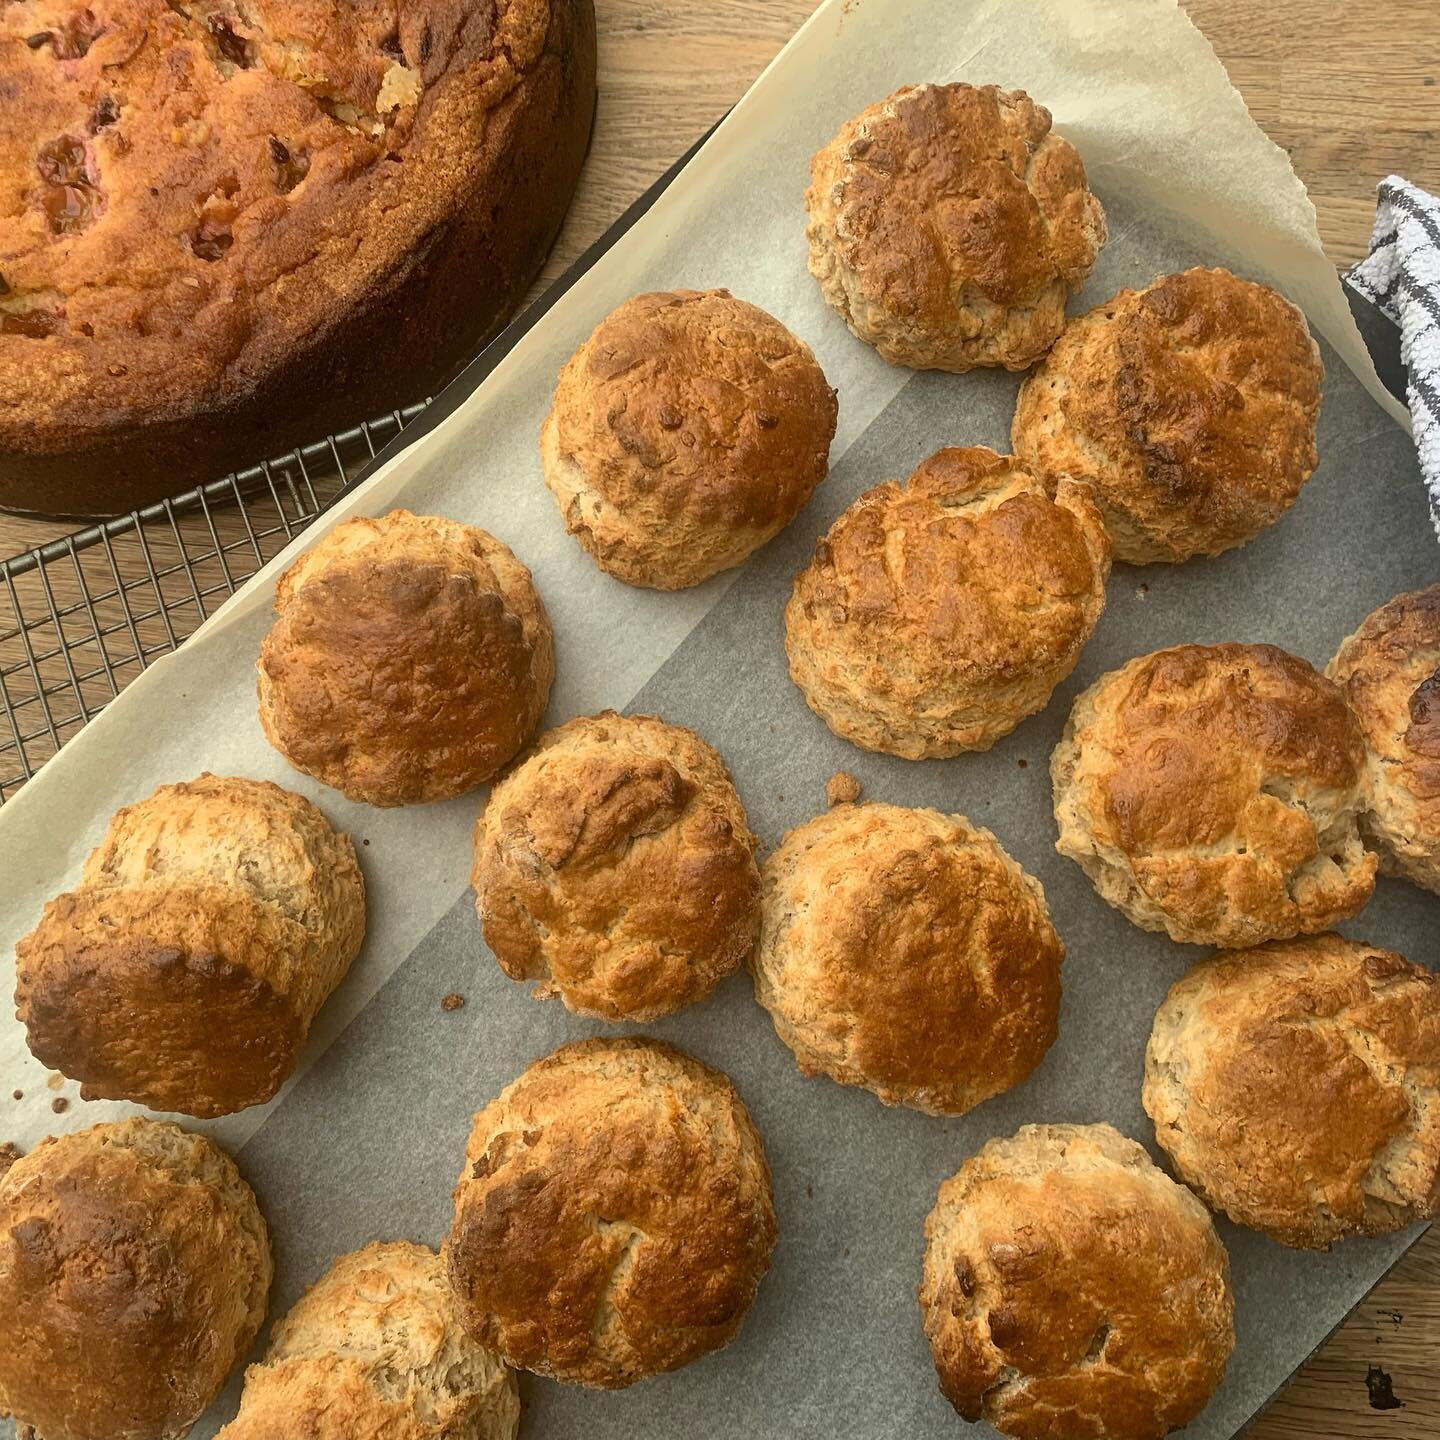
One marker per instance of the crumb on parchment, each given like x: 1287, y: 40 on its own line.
x: 842, y: 788
x: 452, y: 1001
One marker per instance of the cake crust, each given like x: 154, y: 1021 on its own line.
x: 242, y: 225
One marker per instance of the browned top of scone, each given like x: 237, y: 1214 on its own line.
x: 1390, y: 671
x: 948, y: 186
x: 614, y: 1217
x: 1226, y: 780
x: 966, y: 568
x: 1065, y: 1274
x: 193, y: 188
x: 942, y: 603
x: 375, y: 1351
x: 615, y: 866
x: 1296, y: 1086
x: 209, y: 926
x: 1189, y: 406
x: 688, y: 411
x: 134, y: 1270
x: 411, y: 658
x: 904, y: 951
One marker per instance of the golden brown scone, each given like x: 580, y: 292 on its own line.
x: 375, y: 1351
x: 905, y: 951
x: 948, y: 225
x: 936, y: 615
x: 1390, y: 672
x: 688, y: 430
x: 184, y: 970
x: 1212, y: 792
x: 1188, y: 407
x: 613, y: 1219
x: 411, y: 658
x: 1071, y: 1288
x: 615, y: 867
x: 134, y: 1269
x: 1296, y: 1087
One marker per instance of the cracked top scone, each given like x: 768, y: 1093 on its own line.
x: 1066, y: 1275
x: 1390, y: 672
x: 1213, y: 792
x: 613, y: 1219
x: 688, y: 430
x: 937, y: 614
x: 616, y: 868
x: 134, y: 1272
x: 374, y: 1350
x: 233, y: 225
x: 948, y: 225
x: 906, y: 952
x: 1188, y: 408
x: 410, y: 659
x: 1296, y: 1087
x: 208, y: 928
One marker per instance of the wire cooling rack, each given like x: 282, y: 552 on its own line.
x: 82, y: 616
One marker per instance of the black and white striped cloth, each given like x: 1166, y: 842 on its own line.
x: 1401, y: 276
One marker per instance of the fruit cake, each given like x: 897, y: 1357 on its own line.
x: 231, y: 226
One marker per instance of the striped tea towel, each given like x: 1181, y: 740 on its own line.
x: 1401, y: 275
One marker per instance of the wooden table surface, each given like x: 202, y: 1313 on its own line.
x: 1352, y: 93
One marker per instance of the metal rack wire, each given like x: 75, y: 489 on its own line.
x: 82, y: 616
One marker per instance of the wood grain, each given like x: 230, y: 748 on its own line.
x: 1353, y: 93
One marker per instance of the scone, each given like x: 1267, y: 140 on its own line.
x: 134, y: 1271
x: 613, y: 1219
x: 1390, y: 672
x: 1188, y: 408
x: 231, y: 228
x: 906, y: 952
x: 1213, y: 792
x: 948, y: 226
x: 936, y: 615
x: 1066, y: 1276
x: 411, y: 658
x: 375, y: 1349
x: 1296, y: 1087
x: 688, y: 430
x: 615, y: 868
x: 184, y: 970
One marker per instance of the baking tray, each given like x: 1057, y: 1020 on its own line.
x: 849, y: 1252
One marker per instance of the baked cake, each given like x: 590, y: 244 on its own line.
x: 231, y: 226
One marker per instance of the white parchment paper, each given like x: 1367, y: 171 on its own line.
x: 367, y: 1139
